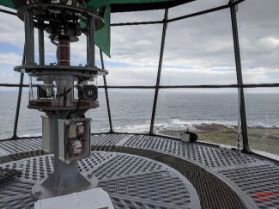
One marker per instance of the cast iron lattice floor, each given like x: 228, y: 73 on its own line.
x: 129, y: 180
x: 227, y: 166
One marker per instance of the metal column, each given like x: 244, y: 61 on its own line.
x: 91, y: 43
x: 19, y: 97
x: 106, y: 90
x: 29, y: 37
x: 28, y: 58
x: 159, y: 72
x: 239, y: 77
x: 41, y: 46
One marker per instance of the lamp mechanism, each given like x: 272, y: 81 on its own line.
x: 64, y: 92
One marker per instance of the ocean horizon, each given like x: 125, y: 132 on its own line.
x: 131, y: 111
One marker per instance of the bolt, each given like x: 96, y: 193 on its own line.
x: 38, y: 193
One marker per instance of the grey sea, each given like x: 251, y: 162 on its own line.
x: 131, y: 111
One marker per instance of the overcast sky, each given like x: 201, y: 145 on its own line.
x: 198, y: 50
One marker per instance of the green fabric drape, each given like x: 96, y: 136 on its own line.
x: 95, y: 4
x: 102, y: 36
x: 7, y: 3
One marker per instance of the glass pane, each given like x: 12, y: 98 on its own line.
x: 211, y: 113
x: 11, y: 47
x: 29, y: 121
x: 140, y: 16
x: 134, y: 55
x: 131, y: 110
x: 262, y: 112
x: 193, y: 7
x: 8, y: 98
x: 259, y: 40
x: 100, y: 120
x: 198, y: 52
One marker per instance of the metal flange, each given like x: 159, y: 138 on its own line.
x: 43, y: 9
x: 59, y: 69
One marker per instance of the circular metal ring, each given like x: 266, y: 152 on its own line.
x: 58, y: 69
x: 99, y: 21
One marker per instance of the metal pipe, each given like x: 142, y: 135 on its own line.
x: 8, y: 12
x: 91, y: 43
x: 29, y: 37
x: 205, y: 11
x: 41, y: 45
x: 63, y: 50
x: 239, y: 77
x: 138, y: 23
x: 106, y: 91
x: 19, y: 97
x: 263, y: 85
x: 179, y: 18
x: 164, y: 30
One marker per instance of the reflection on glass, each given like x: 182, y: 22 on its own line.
x: 262, y: 113
x: 211, y: 113
x: 131, y: 110
x: 29, y: 121
x: 8, y: 98
x: 100, y: 120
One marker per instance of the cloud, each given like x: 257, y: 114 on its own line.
x: 9, y: 78
x: 10, y: 58
x: 198, y: 50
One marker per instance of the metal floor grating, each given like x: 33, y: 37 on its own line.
x: 160, y: 187
x: 18, y: 146
x: 130, y: 166
x: 107, y: 141
x: 227, y: 165
x: 261, y: 183
x: 5, y: 174
x: 15, y: 194
x: 37, y: 168
x: 209, y: 156
x: 129, y: 180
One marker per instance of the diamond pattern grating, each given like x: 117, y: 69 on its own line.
x: 260, y: 178
x: 157, y: 187
x: 261, y: 183
x: 129, y: 166
x: 130, y: 180
x: 105, y: 140
x: 203, y: 154
x: 18, y: 146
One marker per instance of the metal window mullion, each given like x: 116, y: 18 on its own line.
x: 19, y: 98
x: 91, y: 43
x: 264, y: 85
x: 239, y: 77
x: 164, y: 30
x: 106, y: 91
x: 41, y: 45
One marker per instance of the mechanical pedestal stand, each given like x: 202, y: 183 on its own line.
x: 65, y: 179
x: 62, y: 91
